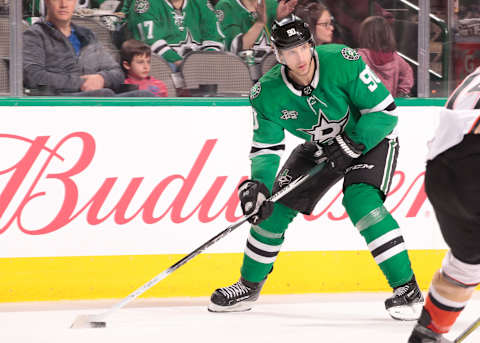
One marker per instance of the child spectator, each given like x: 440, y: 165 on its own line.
x: 378, y: 50
x: 136, y: 58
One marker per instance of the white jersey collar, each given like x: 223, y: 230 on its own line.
x: 171, y: 6
x: 243, y: 6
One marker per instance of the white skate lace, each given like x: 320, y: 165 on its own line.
x: 235, y: 290
x: 399, y: 291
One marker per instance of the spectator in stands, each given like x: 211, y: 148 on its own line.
x: 318, y: 17
x: 246, y: 23
x: 136, y: 57
x: 349, y: 14
x: 67, y: 59
x: 173, y: 28
x: 36, y: 8
x: 378, y: 50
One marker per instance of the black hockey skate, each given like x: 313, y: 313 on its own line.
x: 235, y: 298
x: 421, y: 334
x: 406, y: 302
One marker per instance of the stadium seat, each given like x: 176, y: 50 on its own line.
x: 5, y: 35
x: 4, y: 88
x: 268, y: 62
x: 226, y: 70
x: 104, y: 35
x: 162, y: 71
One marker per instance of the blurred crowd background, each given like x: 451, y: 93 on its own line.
x: 184, y: 48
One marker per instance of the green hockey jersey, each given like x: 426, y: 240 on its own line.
x: 173, y: 33
x: 343, y: 96
x: 235, y: 19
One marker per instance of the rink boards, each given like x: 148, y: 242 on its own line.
x: 96, y: 200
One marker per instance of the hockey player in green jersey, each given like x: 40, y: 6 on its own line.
x: 175, y: 27
x: 246, y: 24
x: 331, y: 99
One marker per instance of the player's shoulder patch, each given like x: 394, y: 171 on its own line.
x: 350, y: 54
x: 255, y: 90
x: 141, y: 6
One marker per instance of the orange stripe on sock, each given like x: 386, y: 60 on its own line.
x: 442, y: 320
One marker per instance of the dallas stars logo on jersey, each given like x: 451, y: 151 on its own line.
x: 141, y: 6
x: 326, y: 129
x: 255, y: 90
x: 350, y: 54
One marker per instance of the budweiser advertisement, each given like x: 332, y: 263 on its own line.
x: 80, y: 181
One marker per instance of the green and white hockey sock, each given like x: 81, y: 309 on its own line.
x: 364, y: 205
x: 264, y: 243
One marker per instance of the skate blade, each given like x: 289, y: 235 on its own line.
x: 406, y: 312
x: 240, y: 307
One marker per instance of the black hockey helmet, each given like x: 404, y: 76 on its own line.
x: 291, y: 32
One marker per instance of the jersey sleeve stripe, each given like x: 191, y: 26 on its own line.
x: 212, y: 44
x: 160, y: 47
x: 381, y: 106
x: 236, y: 45
x: 266, y: 145
x: 266, y: 152
x: 159, y: 44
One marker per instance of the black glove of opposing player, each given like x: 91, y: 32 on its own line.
x: 253, y: 195
x: 340, y: 152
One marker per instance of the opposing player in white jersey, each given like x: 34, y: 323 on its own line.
x: 452, y: 183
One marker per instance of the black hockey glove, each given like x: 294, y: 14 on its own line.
x: 340, y: 152
x: 253, y: 195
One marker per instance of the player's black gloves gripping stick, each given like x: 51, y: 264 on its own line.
x: 340, y: 152
x: 253, y: 195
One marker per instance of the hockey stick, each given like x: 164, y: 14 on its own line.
x: 98, y: 321
x: 467, y: 331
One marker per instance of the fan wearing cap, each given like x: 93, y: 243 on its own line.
x: 328, y: 97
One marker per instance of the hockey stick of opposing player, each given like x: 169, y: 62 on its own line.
x: 467, y: 331
x: 98, y: 321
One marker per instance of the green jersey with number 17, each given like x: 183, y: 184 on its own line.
x: 343, y: 96
x: 172, y: 33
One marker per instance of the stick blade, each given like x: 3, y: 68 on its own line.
x: 87, y: 321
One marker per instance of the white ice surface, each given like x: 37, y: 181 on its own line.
x: 357, y: 317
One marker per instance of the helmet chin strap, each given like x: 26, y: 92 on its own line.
x: 278, y: 57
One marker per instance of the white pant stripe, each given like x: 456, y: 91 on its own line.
x: 263, y: 246
x: 259, y: 258
x: 390, y: 253
x: 384, y: 239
